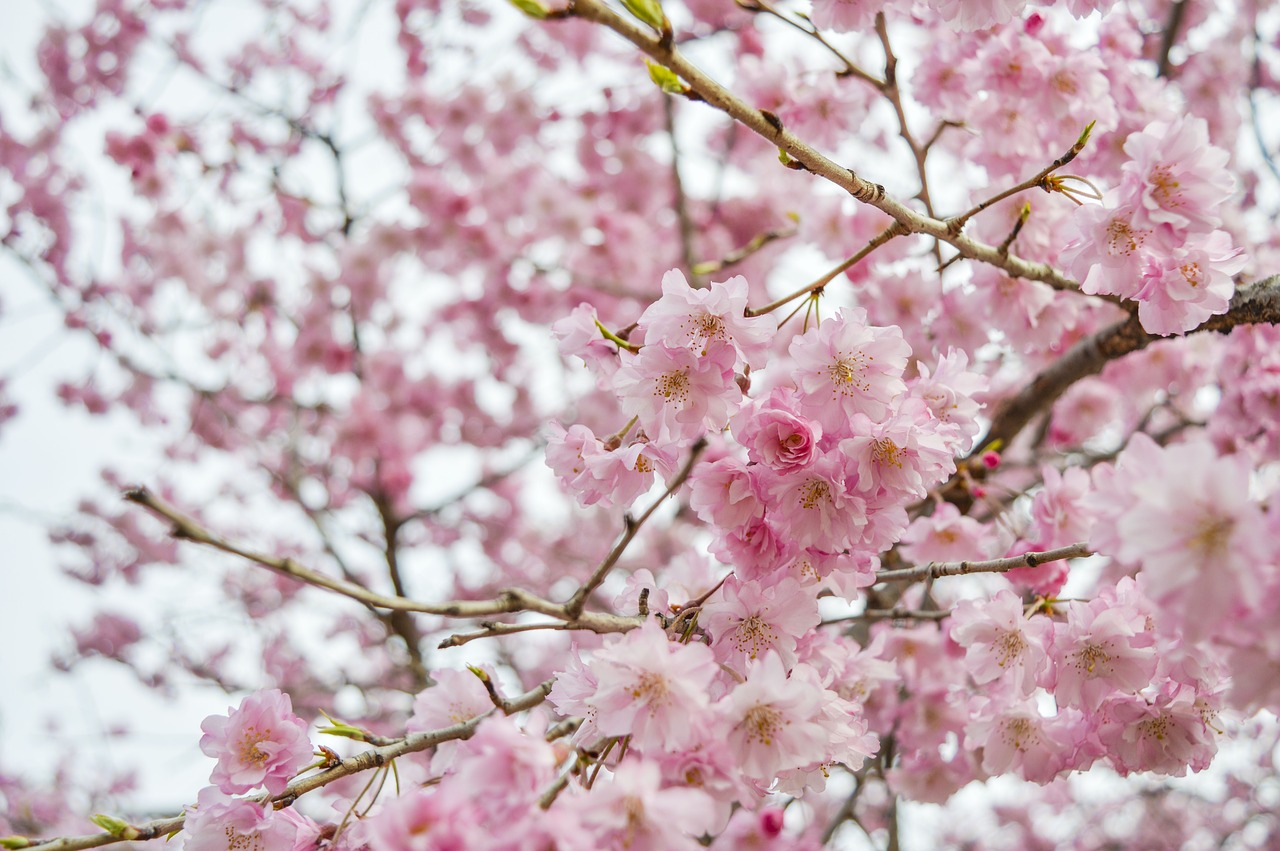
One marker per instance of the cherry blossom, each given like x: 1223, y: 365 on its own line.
x: 259, y: 743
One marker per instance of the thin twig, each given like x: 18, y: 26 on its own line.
x: 935, y: 570
x: 574, y: 606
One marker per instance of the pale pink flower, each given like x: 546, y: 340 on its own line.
x: 677, y: 393
x: 457, y: 697
x: 1059, y: 510
x: 948, y: 389
x: 698, y: 319
x: 1000, y: 641
x: 426, y: 820
x: 977, y: 14
x: 1193, y: 528
x: 1014, y: 737
x: 1184, y: 286
x: 1166, y: 734
x: 219, y: 823
x: 579, y: 335
x: 845, y: 16
x: 1175, y: 176
x: 1100, y: 650
x: 725, y: 493
x: 812, y: 507
x: 748, y: 619
x: 775, y: 723
x: 260, y: 743
x: 634, y: 811
x: 945, y: 535
x: 903, y: 455
x: 848, y: 367
x: 1107, y: 250
x: 652, y: 688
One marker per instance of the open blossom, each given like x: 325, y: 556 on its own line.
x: 776, y: 722
x: 634, y: 811
x: 260, y: 743
x: 1100, y: 650
x: 1176, y: 177
x: 677, y: 393
x: 849, y: 367
x: 220, y: 823
x: 813, y: 508
x: 749, y: 619
x: 1184, y: 286
x: 1189, y: 522
x: 698, y: 319
x: 1001, y: 642
x: 1015, y: 738
x: 948, y: 390
x: 1166, y: 734
x: 652, y: 688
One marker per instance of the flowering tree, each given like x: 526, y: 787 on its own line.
x: 651, y: 425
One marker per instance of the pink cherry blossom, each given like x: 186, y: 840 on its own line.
x: 775, y: 723
x: 677, y: 393
x: 219, y: 823
x: 776, y: 434
x: 848, y: 367
x: 699, y: 319
x: 748, y: 620
x: 634, y: 811
x: 1000, y: 641
x: 652, y: 688
x: 1176, y: 176
x: 259, y: 743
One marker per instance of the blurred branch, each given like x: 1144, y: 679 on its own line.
x: 508, y: 601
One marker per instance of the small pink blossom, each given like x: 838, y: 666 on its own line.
x: 1101, y: 649
x: 1002, y: 642
x: 1176, y: 176
x: 849, y: 367
x: 775, y: 723
x: 260, y: 743
x: 652, y: 688
x: 634, y: 811
x: 677, y: 393
x: 699, y: 319
x: 776, y: 434
x: 749, y: 619
x: 218, y: 823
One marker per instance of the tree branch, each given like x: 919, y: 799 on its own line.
x: 935, y: 570
x: 770, y: 128
x: 1258, y: 303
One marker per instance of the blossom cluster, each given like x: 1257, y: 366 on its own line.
x: 1156, y: 238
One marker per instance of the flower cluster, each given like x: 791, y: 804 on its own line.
x: 1155, y: 240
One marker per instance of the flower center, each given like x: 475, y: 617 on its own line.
x: 250, y: 754
x: 763, y: 723
x: 673, y: 386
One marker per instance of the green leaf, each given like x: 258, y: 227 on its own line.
x: 649, y: 11
x: 14, y: 842
x: 667, y: 80
x: 532, y: 8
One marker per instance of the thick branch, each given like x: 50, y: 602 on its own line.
x: 769, y: 127
x: 934, y: 570
x: 1258, y: 303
